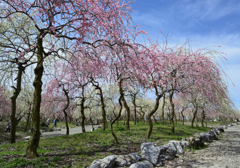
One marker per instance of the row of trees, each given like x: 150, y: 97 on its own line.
x: 80, y: 47
x: 51, y: 107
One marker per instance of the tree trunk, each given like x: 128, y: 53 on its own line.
x: 203, y: 117
x: 104, y: 117
x: 64, y: 110
x: 13, y: 101
x: 173, y: 113
x: 135, y: 109
x: 194, y: 115
x: 196, y: 121
x: 35, y: 132
x: 163, y: 106
x: 26, y: 126
x: 82, y: 108
x: 179, y: 117
x: 66, y: 122
x: 103, y: 111
x: 182, y: 117
x: 83, y: 116
x: 116, y: 119
x: 128, y: 113
x: 125, y: 105
x: 13, y: 121
x: 175, y: 116
x: 91, y: 123
x: 169, y: 115
x: 150, y: 124
x: 155, y: 119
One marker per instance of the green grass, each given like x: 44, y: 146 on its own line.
x: 80, y: 150
x: 40, y: 162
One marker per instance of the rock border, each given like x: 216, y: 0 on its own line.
x: 154, y: 156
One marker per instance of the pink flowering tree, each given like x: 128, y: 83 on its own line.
x: 121, y: 71
x: 82, y: 22
x: 167, y: 70
x: 59, y: 90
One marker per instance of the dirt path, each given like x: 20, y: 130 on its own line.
x: 223, y: 153
x: 72, y: 131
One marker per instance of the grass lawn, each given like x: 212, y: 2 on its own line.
x: 80, y: 150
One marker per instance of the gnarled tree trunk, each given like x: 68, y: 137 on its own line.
x: 64, y: 110
x: 116, y: 119
x: 104, y: 117
x: 135, y: 109
x: 125, y: 105
x: 203, y: 117
x: 150, y: 124
x: 182, y: 117
x: 82, y: 113
x: 13, y: 101
x: 28, y: 118
x: 35, y: 132
x: 103, y: 110
x: 173, y: 113
x: 194, y: 115
x: 163, y: 106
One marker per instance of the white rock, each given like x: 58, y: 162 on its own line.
x: 27, y: 138
x: 107, y: 162
x: 177, y: 146
x: 142, y: 164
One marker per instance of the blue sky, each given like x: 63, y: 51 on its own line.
x: 206, y: 23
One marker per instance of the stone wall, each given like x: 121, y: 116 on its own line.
x: 154, y: 156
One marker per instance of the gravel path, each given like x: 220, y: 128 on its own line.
x: 223, y: 153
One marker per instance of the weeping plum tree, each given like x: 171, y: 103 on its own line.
x: 83, y: 22
x: 196, y: 71
x: 59, y: 88
x: 118, y: 61
x: 96, y: 70
x: 166, y: 70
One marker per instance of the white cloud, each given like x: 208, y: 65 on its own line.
x: 207, y: 10
x: 185, y: 14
